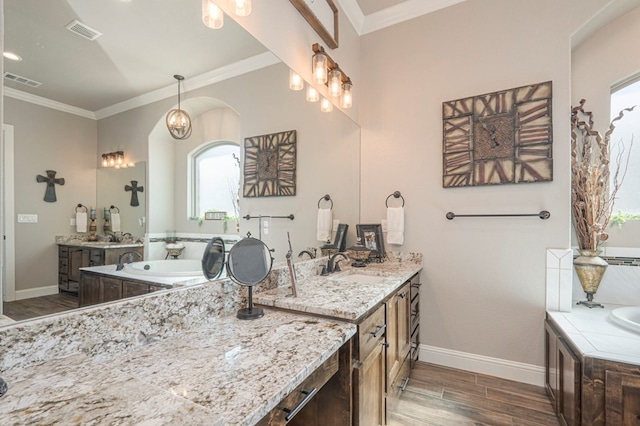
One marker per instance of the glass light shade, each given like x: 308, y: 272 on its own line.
x: 179, y: 124
x: 241, y: 7
x: 346, y: 101
x: 326, y: 105
x: 312, y: 94
x: 295, y: 81
x: 212, y: 16
x: 120, y: 157
x: 319, y: 65
x: 112, y: 160
x: 335, y: 82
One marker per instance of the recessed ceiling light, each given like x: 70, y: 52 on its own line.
x: 12, y: 56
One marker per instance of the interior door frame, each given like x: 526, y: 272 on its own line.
x: 7, y: 212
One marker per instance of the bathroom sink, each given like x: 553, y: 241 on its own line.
x: 627, y: 317
x: 356, y: 277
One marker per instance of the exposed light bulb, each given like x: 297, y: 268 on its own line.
x: 346, y: 101
x: 319, y: 66
x: 335, y: 82
x: 295, y: 81
x: 212, y: 15
x: 241, y: 7
x: 326, y: 105
x: 312, y: 94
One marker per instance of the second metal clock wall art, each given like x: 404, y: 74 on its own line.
x: 500, y: 137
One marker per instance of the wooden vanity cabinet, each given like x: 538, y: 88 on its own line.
x: 97, y: 288
x: 586, y: 390
x: 71, y: 258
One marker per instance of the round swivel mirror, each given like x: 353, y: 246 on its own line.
x: 248, y: 264
x: 213, y: 258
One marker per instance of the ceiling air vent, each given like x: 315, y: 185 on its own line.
x: 82, y: 30
x: 22, y: 80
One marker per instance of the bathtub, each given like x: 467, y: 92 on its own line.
x: 166, y: 268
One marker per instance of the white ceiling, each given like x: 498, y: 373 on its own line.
x: 144, y: 43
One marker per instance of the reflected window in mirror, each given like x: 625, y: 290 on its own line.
x: 625, y: 141
x: 215, y: 180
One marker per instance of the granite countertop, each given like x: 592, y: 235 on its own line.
x: 100, y: 244
x: 594, y: 334
x: 337, y: 296
x: 227, y: 371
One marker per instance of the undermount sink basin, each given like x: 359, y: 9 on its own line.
x: 361, y: 278
x: 628, y: 317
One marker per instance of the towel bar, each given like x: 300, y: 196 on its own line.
x: 544, y: 214
x: 291, y: 217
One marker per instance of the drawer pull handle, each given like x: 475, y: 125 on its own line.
x: 416, y: 285
x: 379, y: 331
x: 402, y: 295
x: 301, y: 404
x: 385, y: 344
x: 405, y: 382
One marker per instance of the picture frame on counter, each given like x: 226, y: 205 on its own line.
x: 370, y: 236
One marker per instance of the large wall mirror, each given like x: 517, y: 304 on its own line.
x: 113, y: 93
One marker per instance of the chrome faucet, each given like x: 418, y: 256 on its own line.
x: 334, y: 265
x: 130, y: 254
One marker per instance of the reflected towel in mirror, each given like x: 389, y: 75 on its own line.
x: 325, y: 222
x: 395, y: 225
x: 81, y: 221
x: 115, y: 222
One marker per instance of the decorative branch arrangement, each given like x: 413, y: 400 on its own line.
x: 593, y: 192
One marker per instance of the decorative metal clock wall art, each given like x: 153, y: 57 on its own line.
x: 496, y: 138
x: 270, y: 165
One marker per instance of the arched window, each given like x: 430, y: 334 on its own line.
x: 215, y: 179
x: 627, y: 130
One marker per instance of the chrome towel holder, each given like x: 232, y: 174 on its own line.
x: 395, y: 194
x: 544, y: 214
x: 327, y: 197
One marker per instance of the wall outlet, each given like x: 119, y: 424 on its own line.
x: 72, y: 221
x: 27, y: 218
x: 383, y: 223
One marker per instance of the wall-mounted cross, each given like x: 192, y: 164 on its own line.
x: 50, y: 179
x: 134, y: 188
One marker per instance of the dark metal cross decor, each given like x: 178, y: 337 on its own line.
x: 134, y: 188
x: 50, y: 179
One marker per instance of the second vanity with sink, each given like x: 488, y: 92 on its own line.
x: 383, y: 300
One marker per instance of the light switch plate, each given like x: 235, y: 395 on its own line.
x: 72, y: 221
x: 27, y: 218
x: 383, y: 223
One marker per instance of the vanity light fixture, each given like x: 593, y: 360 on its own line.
x: 212, y: 15
x: 295, y: 81
x: 241, y: 7
x: 178, y: 121
x: 326, y: 71
x: 115, y: 160
x: 312, y: 94
x: 326, y: 105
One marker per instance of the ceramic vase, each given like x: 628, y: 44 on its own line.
x: 590, y: 268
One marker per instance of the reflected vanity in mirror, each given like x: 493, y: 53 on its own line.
x: 111, y: 191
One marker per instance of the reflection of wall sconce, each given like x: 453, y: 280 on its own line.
x: 213, y: 17
x: 115, y: 160
x: 326, y: 71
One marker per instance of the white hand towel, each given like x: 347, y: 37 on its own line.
x: 395, y: 225
x: 115, y: 222
x: 81, y: 221
x: 325, y: 222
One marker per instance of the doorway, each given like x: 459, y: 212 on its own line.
x: 7, y: 249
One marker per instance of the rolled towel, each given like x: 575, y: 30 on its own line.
x: 115, y: 222
x: 325, y: 222
x: 81, y: 221
x: 395, y: 225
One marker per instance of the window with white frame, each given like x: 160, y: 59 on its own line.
x: 216, y: 179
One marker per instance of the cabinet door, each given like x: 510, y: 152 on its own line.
x: 622, y: 399
x: 568, y: 395
x: 78, y: 258
x: 551, y: 364
x: 398, y: 332
x: 132, y: 288
x: 369, y: 382
x: 110, y: 289
x: 89, y: 291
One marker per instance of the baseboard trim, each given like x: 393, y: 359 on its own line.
x: 511, y: 370
x: 36, y: 292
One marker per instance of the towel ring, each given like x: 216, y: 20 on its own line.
x: 396, y: 194
x: 83, y: 207
x: 327, y: 197
x: 114, y: 208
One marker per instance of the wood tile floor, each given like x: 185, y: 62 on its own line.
x: 441, y: 396
x: 38, y: 306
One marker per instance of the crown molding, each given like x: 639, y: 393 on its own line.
x: 396, y: 14
x: 244, y: 66
x: 48, y: 103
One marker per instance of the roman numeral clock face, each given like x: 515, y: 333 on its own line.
x: 501, y: 137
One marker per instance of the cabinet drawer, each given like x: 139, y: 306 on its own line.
x: 293, y: 403
x: 63, y: 264
x: 371, y: 332
x: 73, y: 286
x: 63, y: 251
